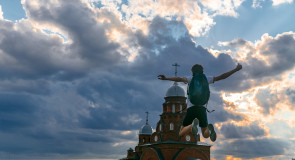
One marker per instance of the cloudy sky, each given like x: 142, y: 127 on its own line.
x: 76, y: 76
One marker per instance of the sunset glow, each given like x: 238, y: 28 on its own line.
x: 76, y: 77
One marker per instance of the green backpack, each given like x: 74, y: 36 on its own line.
x: 198, y: 90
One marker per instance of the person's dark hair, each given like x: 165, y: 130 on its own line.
x: 197, y: 68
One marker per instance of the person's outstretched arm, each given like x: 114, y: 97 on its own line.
x: 227, y: 74
x: 176, y: 79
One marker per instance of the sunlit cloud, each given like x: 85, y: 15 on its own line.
x: 137, y: 14
x: 125, y: 143
x: 216, y: 53
x: 1, y: 13
x: 278, y: 2
x: 126, y: 132
x: 76, y: 66
x: 268, y: 101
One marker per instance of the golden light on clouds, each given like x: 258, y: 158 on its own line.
x: 216, y: 53
x: 139, y: 23
x: 125, y: 143
x: 266, y: 105
x: 126, y: 132
x: 230, y: 157
x: 241, y: 102
x: 115, y: 35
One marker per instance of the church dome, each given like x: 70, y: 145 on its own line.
x: 146, y: 129
x: 175, y: 91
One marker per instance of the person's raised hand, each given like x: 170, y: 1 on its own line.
x: 161, y: 77
x: 239, y: 67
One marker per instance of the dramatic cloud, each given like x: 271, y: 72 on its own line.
x: 197, y: 16
x: 232, y: 131
x: 267, y: 100
x: 245, y: 148
x: 16, y: 114
x: 267, y: 58
x: 76, y: 78
x: 101, y: 100
x: 278, y: 2
x: 266, y: 64
x: 1, y: 13
x: 291, y: 95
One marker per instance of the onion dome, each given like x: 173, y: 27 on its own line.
x: 175, y: 91
x: 146, y: 129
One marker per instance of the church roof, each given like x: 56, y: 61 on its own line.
x: 146, y: 129
x: 175, y: 91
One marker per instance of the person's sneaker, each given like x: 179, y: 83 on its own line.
x: 212, y: 132
x: 195, y: 126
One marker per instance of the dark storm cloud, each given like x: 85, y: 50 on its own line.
x: 118, y: 90
x: 128, y: 88
x: 221, y: 115
x: 29, y: 129
x: 161, y: 50
x: 16, y: 111
x: 244, y: 148
x: 89, y: 37
x: 104, y: 119
x: 31, y: 61
x: 29, y: 53
x: 232, y: 131
x: 116, y: 97
x: 64, y: 143
x: 23, y: 57
x: 39, y: 87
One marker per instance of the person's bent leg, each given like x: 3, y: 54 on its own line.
x: 185, y: 130
x: 202, y: 115
x: 205, y: 132
x: 186, y: 126
x: 190, y: 128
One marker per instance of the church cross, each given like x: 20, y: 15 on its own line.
x: 175, y: 65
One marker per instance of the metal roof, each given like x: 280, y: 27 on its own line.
x: 175, y: 91
x: 146, y: 129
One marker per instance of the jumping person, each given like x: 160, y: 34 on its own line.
x: 196, y: 114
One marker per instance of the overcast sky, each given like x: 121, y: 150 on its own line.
x: 77, y: 76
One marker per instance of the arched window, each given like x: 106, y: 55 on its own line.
x: 180, y: 109
x: 143, y: 140
x: 173, y: 108
x: 156, y: 138
x: 160, y: 127
x: 171, y: 126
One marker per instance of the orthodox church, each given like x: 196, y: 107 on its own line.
x: 165, y: 143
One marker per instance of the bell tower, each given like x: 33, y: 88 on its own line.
x: 145, y: 132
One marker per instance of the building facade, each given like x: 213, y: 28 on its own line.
x: 165, y: 143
